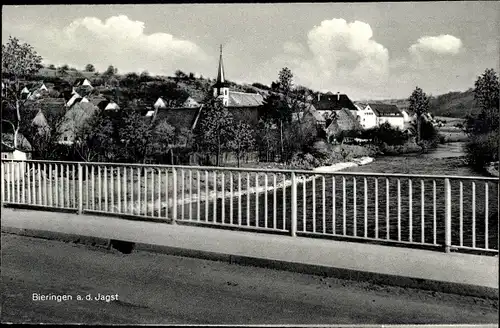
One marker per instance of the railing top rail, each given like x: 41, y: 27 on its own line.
x: 257, y: 170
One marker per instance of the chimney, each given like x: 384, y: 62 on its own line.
x: 319, y: 96
x: 338, y: 96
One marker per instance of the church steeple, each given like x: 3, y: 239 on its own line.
x: 220, y: 72
x: 221, y: 87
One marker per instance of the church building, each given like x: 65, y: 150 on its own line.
x: 244, y: 106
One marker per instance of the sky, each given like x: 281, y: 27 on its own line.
x: 366, y: 50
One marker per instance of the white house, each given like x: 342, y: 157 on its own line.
x: 406, y: 116
x: 387, y: 113
x: 84, y: 100
x: 365, y: 115
x: 160, y: 104
x: 111, y: 105
x: 83, y: 83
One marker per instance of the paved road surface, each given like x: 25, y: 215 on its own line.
x: 157, y: 288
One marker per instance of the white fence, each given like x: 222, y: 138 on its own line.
x: 447, y: 212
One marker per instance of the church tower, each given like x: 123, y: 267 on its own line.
x: 221, y: 87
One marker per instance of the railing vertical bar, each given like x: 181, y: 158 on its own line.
x: 139, y: 208
x: 365, y: 224
x: 125, y: 190
x: 111, y: 190
x: 167, y: 202
x: 248, y: 199
x: 222, y: 201
x: 39, y: 185
x: 284, y: 201
x: 174, y: 195
x: 80, y: 182
x: 304, y: 203
x: 314, y: 203
x: 422, y: 212
x: 410, y: 211
x: 257, y: 199
x: 239, y: 198
x: 99, y: 184
x: 274, y: 202
x: 334, y: 192
x: 190, y: 195
x: 61, y: 183
x: 152, y: 184
x: 132, y: 206
x: 34, y: 184
x: 207, y: 196
x: 473, y: 214
x: 387, y: 213
x: 293, y: 205
x: 45, y: 198
x: 198, y: 190
x: 183, y: 200
x: 158, y: 191
x: 28, y: 177
x: 434, y: 219
x: 354, y: 194
x: 67, y: 186
x: 93, y: 188
x: 447, y: 215
x: 2, y: 168
x: 376, y: 208
x: 323, y: 194
x: 265, y: 199
x: 344, y: 207
x: 18, y: 181
x: 105, y: 188
x: 119, y: 190
x: 399, y: 209
x: 486, y: 213
x: 8, y: 169
x: 215, y: 198
x: 461, y: 202
x: 87, y: 187
x: 231, y: 193
x: 146, y: 186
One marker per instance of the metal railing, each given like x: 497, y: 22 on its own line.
x: 435, y: 211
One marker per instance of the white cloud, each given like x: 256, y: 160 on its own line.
x: 341, y: 57
x: 121, y: 42
x: 442, y: 44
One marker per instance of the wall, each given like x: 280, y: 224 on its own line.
x: 396, y: 121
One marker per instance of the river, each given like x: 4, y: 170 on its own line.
x: 446, y: 159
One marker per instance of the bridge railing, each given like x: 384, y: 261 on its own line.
x: 447, y: 212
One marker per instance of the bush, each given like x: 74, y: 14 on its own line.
x: 482, y: 149
x: 385, y: 133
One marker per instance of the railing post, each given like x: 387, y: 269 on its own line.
x: 174, y: 195
x: 80, y: 188
x: 293, y: 204
x: 447, y: 215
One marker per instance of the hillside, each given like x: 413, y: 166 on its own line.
x: 452, y: 104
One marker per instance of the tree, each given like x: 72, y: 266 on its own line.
x: 483, y: 129
x: 94, y: 140
x: 111, y: 71
x: 51, y: 66
x: 19, y: 61
x: 285, y: 80
x: 243, y: 140
x: 63, y: 70
x: 419, y: 104
x: 215, y: 129
x: 134, y: 135
x: 89, y: 68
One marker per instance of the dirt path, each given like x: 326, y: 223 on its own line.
x: 156, y: 288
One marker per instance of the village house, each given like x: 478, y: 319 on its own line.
x: 387, y: 113
x: 365, y: 116
x: 83, y: 82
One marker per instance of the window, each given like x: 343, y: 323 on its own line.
x: 225, y: 92
x: 4, y: 156
x: 65, y: 138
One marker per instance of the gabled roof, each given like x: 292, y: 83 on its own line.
x: 385, y: 109
x: 344, y: 120
x: 241, y: 99
x: 333, y: 102
x: 178, y: 117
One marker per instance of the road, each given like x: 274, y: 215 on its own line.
x: 163, y: 289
